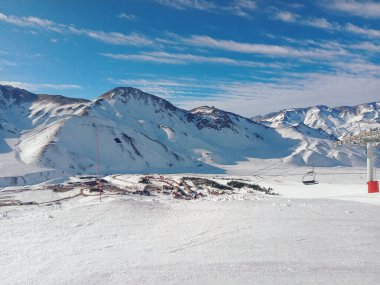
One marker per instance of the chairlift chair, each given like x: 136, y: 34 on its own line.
x: 309, y: 177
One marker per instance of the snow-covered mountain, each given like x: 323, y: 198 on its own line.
x: 337, y: 122
x: 139, y: 132
x: 319, y: 126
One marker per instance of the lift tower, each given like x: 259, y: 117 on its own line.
x: 368, y: 139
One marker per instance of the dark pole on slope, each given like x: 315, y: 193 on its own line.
x: 99, y: 180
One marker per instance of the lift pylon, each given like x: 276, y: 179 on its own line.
x: 368, y: 139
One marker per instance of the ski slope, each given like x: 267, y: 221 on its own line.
x: 321, y: 234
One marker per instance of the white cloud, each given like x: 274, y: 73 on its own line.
x: 40, y: 86
x: 106, y: 37
x: 358, y: 67
x: 137, y: 39
x: 115, y: 38
x: 325, y: 24
x: 6, y: 62
x: 371, y: 33
x: 264, y: 49
x: 320, y: 23
x: 174, y: 89
x: 237, y: 7
x: 367, y: 46
x: 252, y: 98
x: 247, y: 4
x: 143, y: 57
x: 128, y: 17
x: 186, y: 4
x: 367, y: 9
x: 180, y: 58
x: 31, y: 22
x: 285, y: 16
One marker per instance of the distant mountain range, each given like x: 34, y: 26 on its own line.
x: 139, y: 132
x: 338, y: 122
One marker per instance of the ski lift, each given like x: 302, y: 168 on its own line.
x: 309, y: 177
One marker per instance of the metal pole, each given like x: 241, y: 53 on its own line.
x: 370, y: 161
x: 99, y: 180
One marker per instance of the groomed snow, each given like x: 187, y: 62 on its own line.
x: 321, y: 234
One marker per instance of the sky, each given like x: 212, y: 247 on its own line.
x: 250, y: 57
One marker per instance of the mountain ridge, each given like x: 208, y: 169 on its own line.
x: 344, y: 119
x: 140, y: 132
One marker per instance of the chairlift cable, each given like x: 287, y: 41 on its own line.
x: 268, y: 166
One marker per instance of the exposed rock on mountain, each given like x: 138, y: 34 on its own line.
x: 139, y: 132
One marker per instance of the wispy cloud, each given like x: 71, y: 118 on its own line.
x: 33, y: 22
x: 180, y: 58
x: 258, y: 98
x: 114, y: 37
x: 263, y: 49
x: 186, y: 4
x: 251, y: 98
x: 204, y: 41
x: 367, y: 46
x: 6, y: 62
x: 238, y: 7
x: 367, y: 9
x: 128, y: 17
x: 359, y: 67
x: 320, y: 23
x: 325, y: 24
x: 285, y: 16
x: 246, y: 4
x: 40, y: 86
x: 175, y: 89
x: 371, y: 33
x: 106, y: 37
x: 144, y: 57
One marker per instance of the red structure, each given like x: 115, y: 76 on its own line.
x: 373, y: 186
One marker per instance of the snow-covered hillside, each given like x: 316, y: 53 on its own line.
x: 337, y: 122
x: 326, y: 233
x: 319, y: 126
x: 139, y: 132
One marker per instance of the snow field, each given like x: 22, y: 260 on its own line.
x: 316, y: 234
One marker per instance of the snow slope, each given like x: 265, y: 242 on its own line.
x: 141, y: 133
x: 337, y: 122
x: 320, y: 126
x: 307, y: 235
x: 24, y: 115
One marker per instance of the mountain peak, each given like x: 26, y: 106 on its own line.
x: 126, y: 94
x: 204, y: 110
x: 117, y: 91
x: 17, y: 94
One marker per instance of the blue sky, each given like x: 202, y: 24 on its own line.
x: 246, y: 56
